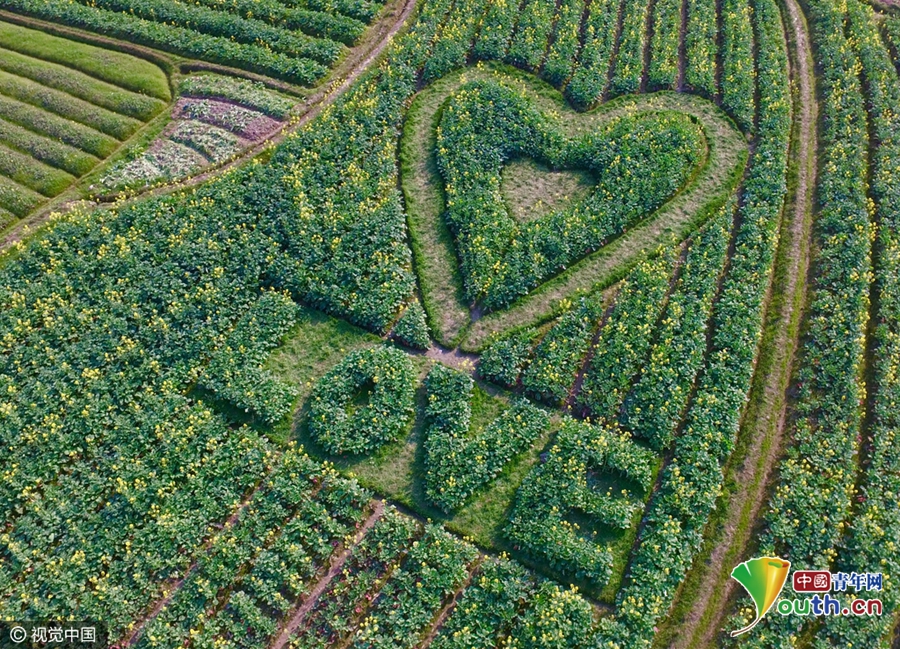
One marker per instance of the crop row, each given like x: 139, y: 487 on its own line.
x: 212, y: 22
x: 700, y: 47
x: 566, y: 42
x: 251, y: 94
x: 172, y: 38
x: 17, y: 200
x: 628, y: 68
x: 654, y: 406
x: 589, y: 77
x: 679, y: 510
x: 541, y: 522
x: 504, y: 606
x: 67, y: 106
x: 663, y: 70
x: 43, y: 149
x: 57, y: 128
x: 459, y: 461
x: 505, y: 359
x: 496, y: 30
x: 254, y: 571
x: 549, y: 369
x: 559, y: 356
x: 293, y: 17
x: 80, y: 85
x: 806, y: 514
x: 33, y: 174
x: 451, y: 48
x: 437, y: 565
x: 870, y: 540
x: 738, y: 83
x: 638, y: 161
x: 386, y: 377
x: 234, y: 373
x: 126, y: 524
x: 625, y: 338
x: 335, y: 615
x: 533, y: 31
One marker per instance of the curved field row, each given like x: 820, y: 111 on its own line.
x: 432, y: 243
x: 252, y: 38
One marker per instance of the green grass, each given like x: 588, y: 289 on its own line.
x: 315, y: 344
x: 16, y: 199
x: 57, y: 128
x: 6, y: 218
x: 35, y: 175
x: 81, y: 85
x: 532, y: 190
x: 67, y: 106
x: 312, y: 348
x: 116, y: 68
x: 51, y: 152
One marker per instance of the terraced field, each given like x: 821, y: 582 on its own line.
x: 524, y: 332
x: 296, y: 41
x: 64, y: 108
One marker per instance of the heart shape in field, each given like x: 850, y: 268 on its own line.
x: 637, y: 162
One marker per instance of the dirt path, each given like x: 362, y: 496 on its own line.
x: 361, y: 57
x: 337, y: 565
x: 171, y: 589
x: 454, y: 358
x: 766, y: 425
x: 448, y: 608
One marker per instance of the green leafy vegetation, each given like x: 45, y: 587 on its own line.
x: 365, y: 402
x: 459, y: 461
x: 639, y: 161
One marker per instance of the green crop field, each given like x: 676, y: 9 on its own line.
x: 64, y: 107
x: 525, y: 325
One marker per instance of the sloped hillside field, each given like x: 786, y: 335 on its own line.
x: 64, y: 107
x: 463, y: 324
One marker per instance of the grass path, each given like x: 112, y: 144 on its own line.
x: 432, y: 243
x: 766, y: 417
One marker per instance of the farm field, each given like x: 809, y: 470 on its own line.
x: 64, y: 108
x: 450, y: 324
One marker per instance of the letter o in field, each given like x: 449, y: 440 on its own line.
x: 364, y: 402
x: 784, y: 607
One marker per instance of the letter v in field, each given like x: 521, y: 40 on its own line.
x: 762, y: 578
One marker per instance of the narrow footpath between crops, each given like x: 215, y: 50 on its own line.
x: 764, y: 425
x: 337, y: 565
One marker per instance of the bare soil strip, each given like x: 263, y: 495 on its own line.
x: 337, y: 564
x: 765, y: 426
x: 447, y: 609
